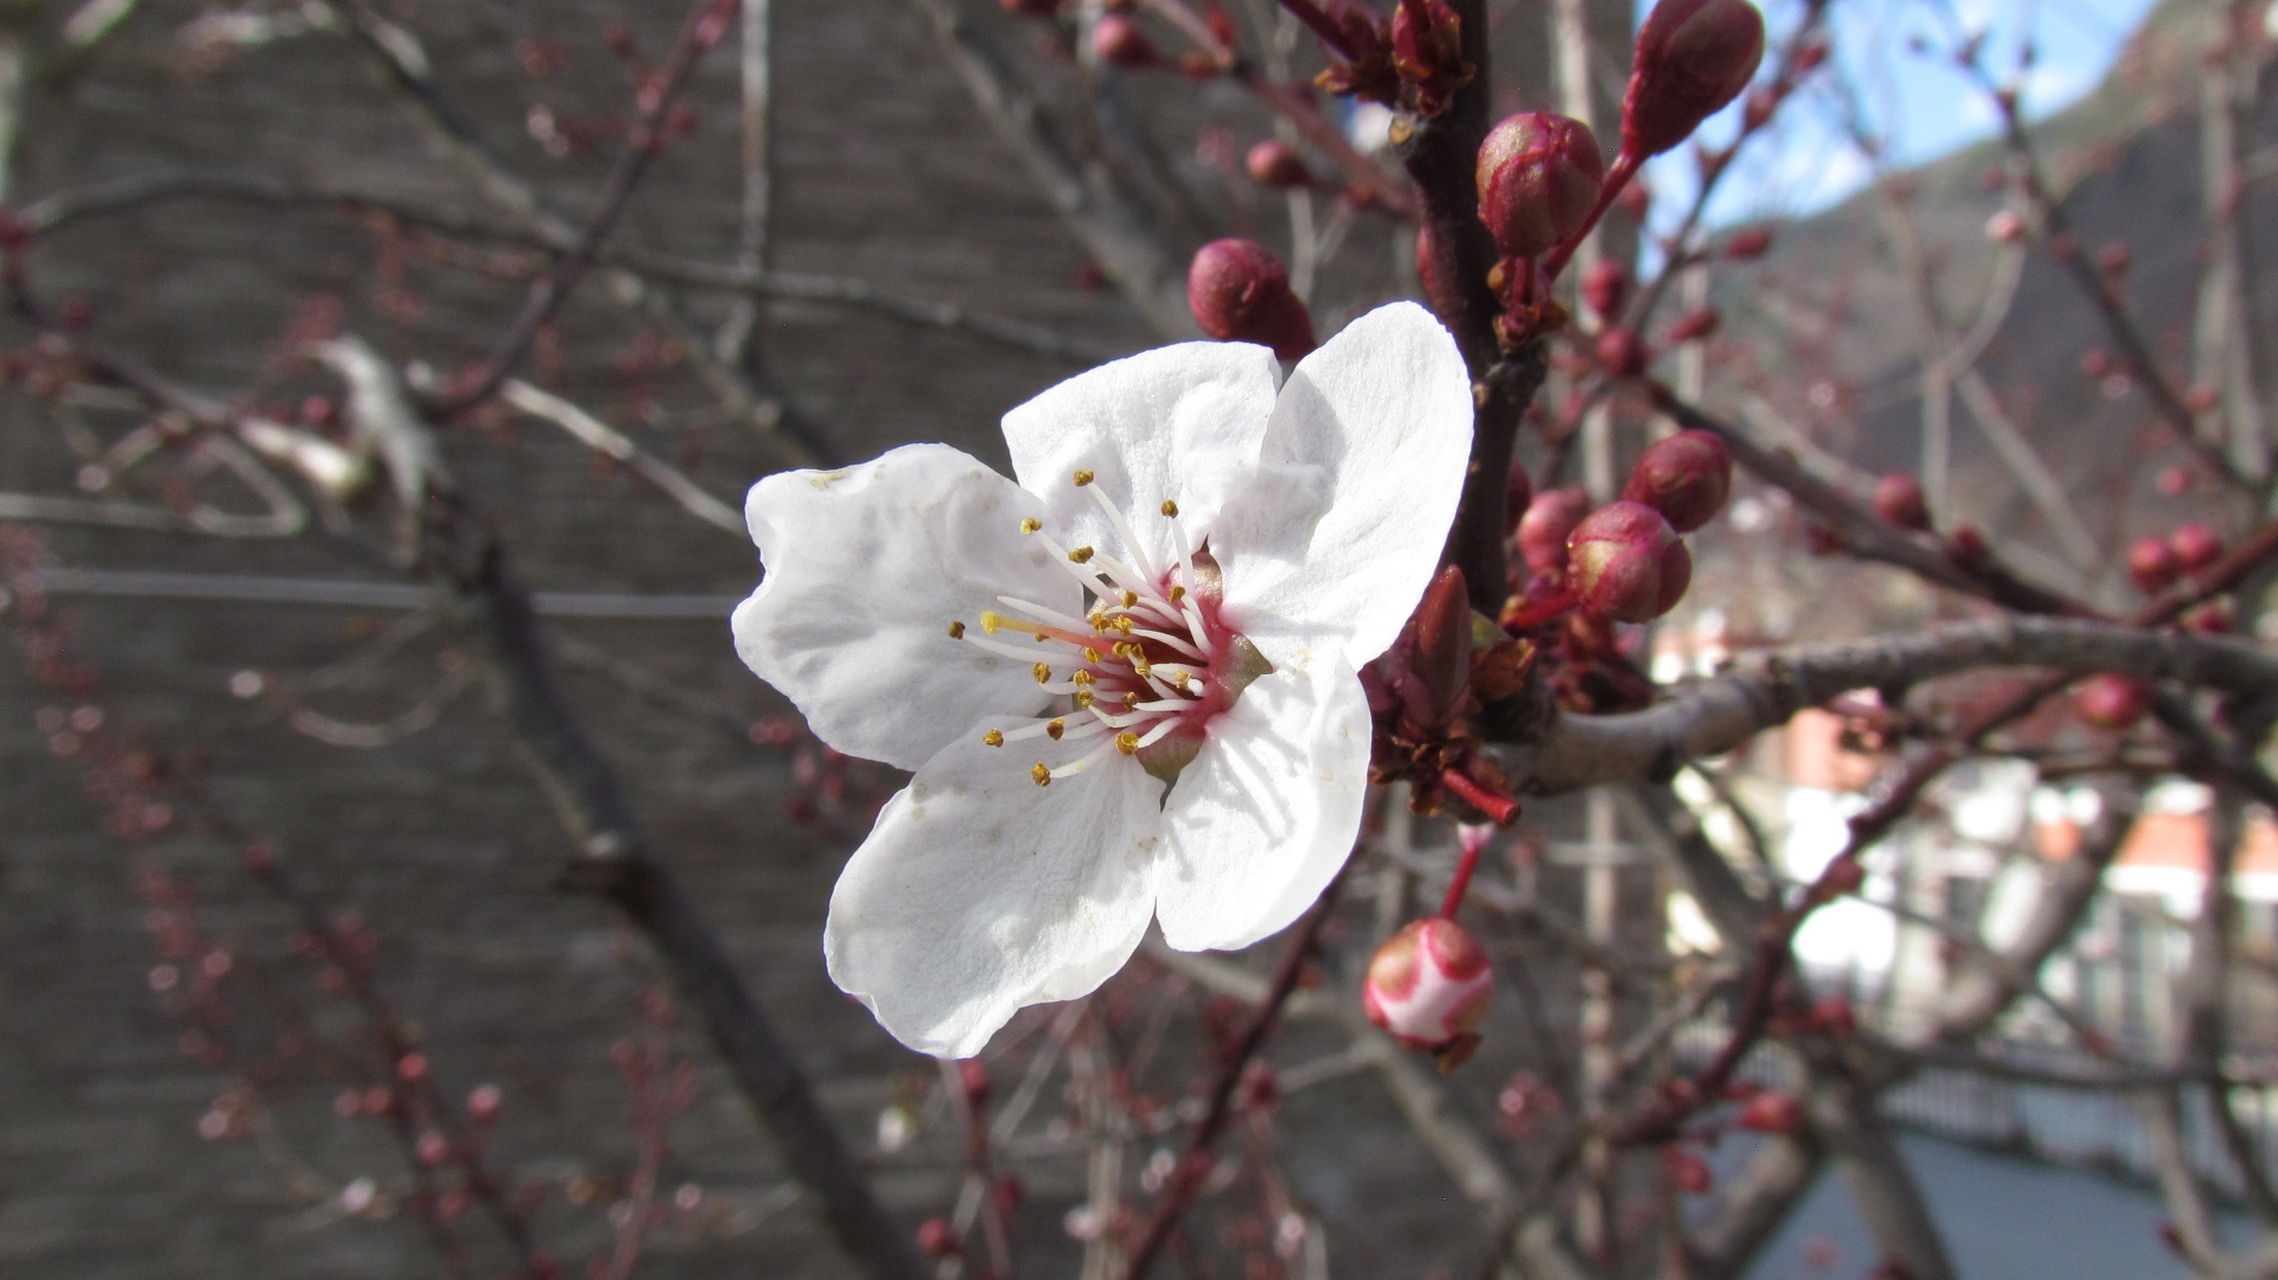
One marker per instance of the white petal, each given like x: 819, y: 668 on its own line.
x: 979, y: 892
x: 1335, y: 541
x: 866, y: 568
x: 1182, y: 423
x: 1268, y: 810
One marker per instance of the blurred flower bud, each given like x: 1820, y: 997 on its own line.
x: 1274, y: 163
x: 1621, y: 354
x: 937, y: 1239
x: 2174, y: 482
x: 2202, y: 399
x: 1832, y: 1015
x: 1605, y: 288
x: 1539, y: 176
x: 2113, y: 259
x: 1628, y: 564
x: 1687, y: 478
x: 1548, y: 522
x: 1240, y: 293
x: 2095, y: 363
x: 1762, y: 102
x: 1967, y: 547
x: 1693, y: 57
x: 2113, y: 702
x: 1118, y: 42
x: 1695, y: 324
x: 1899, y: 500
x: 1749, y: 245
x: 1770, y: 1112
x: 1687, y: 1171
x: 1635, y: 201
x: 1429, y: 985
x: 2196, y: 546
x: 973, y: 1081
x: 2005, y: 227
x: 2153, y: 565
x: 2214, y: 618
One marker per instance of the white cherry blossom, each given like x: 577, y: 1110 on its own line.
x: 1127, y: 683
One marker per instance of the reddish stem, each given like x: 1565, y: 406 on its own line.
x: 1501, y: 808
x: 1625, y: 167
x: 1462, y: 883
x: 1548, y: 609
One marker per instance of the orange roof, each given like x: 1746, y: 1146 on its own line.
x: 2180, y: 840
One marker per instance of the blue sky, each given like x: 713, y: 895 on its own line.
x: 1915, y: 100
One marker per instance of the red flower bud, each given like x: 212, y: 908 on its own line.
x: 1274, y: 163
x: 1119, y: 42
x: 2114, y: 702
x: 1539, y: 176
x: 1635, y: 201
x: 1548, y: 522
x: 1749, y: 245
x: 2214, y: 618
x: 1442, y: 660
x: 1628, y: 564
x: 2113, y: 259
x: 2153, y: 565
x: 1240, y: 293
x: 1770, y: 1112
x: 1621, y: 354
x: 1832, y: 1015
x: 1689, y: 1172
x: 1687, y: 478
x: 1693, y: 56
x: 1428, y: 985
x: 1605, y: 287
x: 1899, y: 500
x: 1967, y: 547
x: 1695, y: 324
x: 2196, y: 546
x: 937, y: 1239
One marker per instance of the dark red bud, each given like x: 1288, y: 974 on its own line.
x: 1844, y: 875
x: 1539, y: 176
x: 1762, y: 102
x: 2196, y: 546
x: 1517, y: 497
x: 1427, y: 50
x: 1899, y: 500
x: 1749, y: 245
x: 1628, y: 564
x: 1274, y: 163
x: 1693, y: 57
x: 1548, y: 522
x: 1695, y: 324
x: 2214, y: 618
x: 1967, y: 547
x: 2114, y: 702
x: 1832, y: 1015
x: 2095, y: 363
x: 1772, y: 1113
x: 1621, y: 354
x: 2153, y: 565
x: 2113, y: 258
x: 1240, y: 293
x: 1443, y: 643
x: 1687, y: 478
x: 1635, y: 201
x: 1605, y: 288
x: 1809, y: 58
x: 1687, y: 1171
x: 1119, y: 42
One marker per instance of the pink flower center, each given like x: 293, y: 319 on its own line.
x: 1147, y: 667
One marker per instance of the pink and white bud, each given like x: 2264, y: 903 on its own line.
x: 2114, y: 702
x: 1548, y: 522
x: 1693, y: 57
x: 2153, y: 565
x: 1628, y: 564
x: 1274, y: 163
x: 1687, y: 478
x: 1429, y: 985
x: 1240, y: 292
x: 1539, y: 177
x: 1118, y: 41
x: 2196, y: 546
x: 1899, y: 500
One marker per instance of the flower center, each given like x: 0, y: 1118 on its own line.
x: 1149, y: 664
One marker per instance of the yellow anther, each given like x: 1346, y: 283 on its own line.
x: 1084, y: 698
x: 1177, y: 594
x: 1091, y: 655
x: 1085, y: 677
x: 991, y: 620
x: 1122, y: 648
x: 994, y: 737
x: 1041, y: 637
x: 1097, y: 622
x: 1125, y: 625
x: 1130, y: 598
x: 1083, y: 478
x: 1056, y: 728
x: 1131, y: 700
x: 956, y: 630
x: 1030, y: 524
x: 1043, y: 673
x: 1081, y: 555
x: 1042, y: 775
x: 1170, y: 508
x: 1142, y: 666
x: 1127, y: 743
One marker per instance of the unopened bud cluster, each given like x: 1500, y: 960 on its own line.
x: 1693, y: 57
